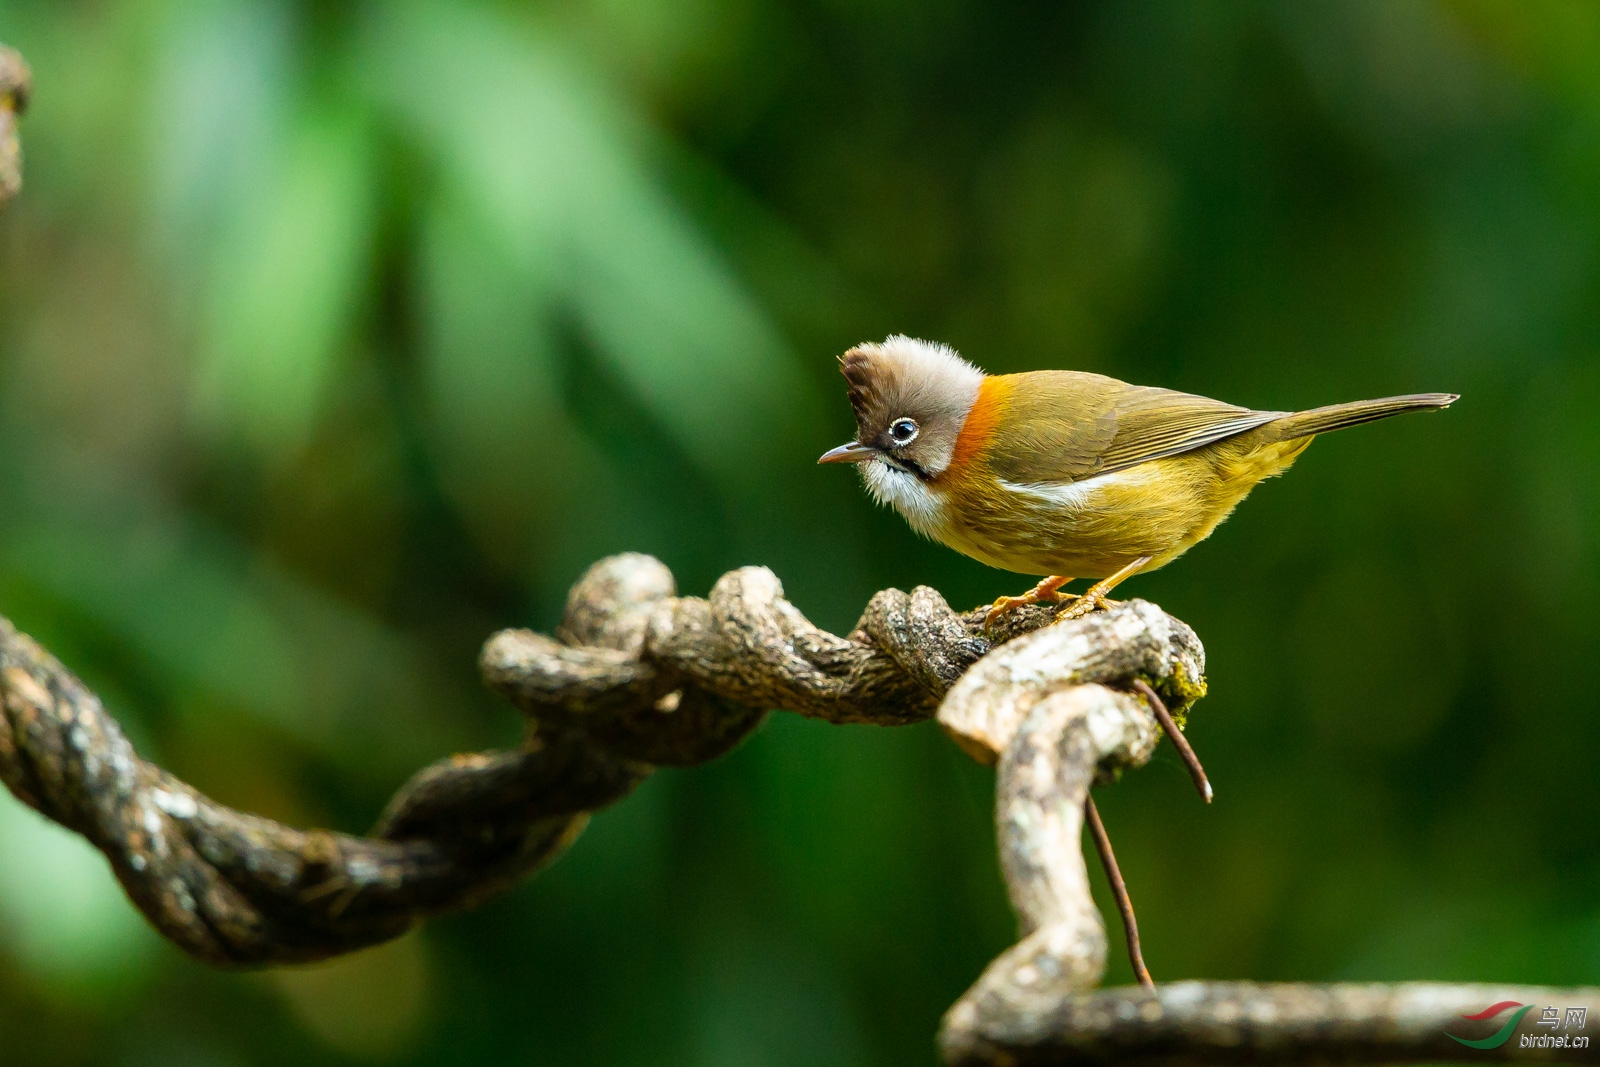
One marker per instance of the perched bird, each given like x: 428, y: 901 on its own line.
x: 1064, y: 473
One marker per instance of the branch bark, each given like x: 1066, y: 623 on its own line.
x: 637, y: 678
x: 1289, y: 1023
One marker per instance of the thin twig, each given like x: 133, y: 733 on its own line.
x: 1119, y: 889
x: 1197, y: 772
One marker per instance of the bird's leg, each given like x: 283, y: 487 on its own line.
x: 1048, y: 591
x: 1094, y: 598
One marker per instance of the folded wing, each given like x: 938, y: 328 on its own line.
x: 1064, y: 426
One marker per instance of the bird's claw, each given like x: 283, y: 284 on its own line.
x: 1086, y: 604
x: 1047, y: 591
x: 1002, y: 605
x: 1095, y: 599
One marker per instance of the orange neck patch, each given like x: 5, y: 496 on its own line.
x: 993, y: 396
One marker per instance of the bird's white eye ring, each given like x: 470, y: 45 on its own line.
x: 903, y: 431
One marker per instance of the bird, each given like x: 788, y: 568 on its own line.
x: 1065, y: 474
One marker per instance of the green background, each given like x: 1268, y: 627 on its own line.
x: 335, y: 336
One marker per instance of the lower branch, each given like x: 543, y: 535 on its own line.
x: 1242, y: 1022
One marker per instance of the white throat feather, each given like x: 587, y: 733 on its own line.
x: 921, y: 506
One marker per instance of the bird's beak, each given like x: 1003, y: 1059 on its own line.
x: 854, y: 452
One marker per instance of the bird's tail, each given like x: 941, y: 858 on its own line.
x: 1338, y: 416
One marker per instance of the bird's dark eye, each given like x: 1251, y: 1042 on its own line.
x: 903, y: 431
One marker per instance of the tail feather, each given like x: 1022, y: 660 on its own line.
x: 1338, y: 416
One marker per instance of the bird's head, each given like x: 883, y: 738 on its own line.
x: 911, y: 399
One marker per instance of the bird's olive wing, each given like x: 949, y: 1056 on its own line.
x: 1063, y: 426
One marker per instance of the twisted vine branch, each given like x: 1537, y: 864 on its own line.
x: 637, y: 678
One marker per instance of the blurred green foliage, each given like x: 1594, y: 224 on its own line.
x: 335, y: 336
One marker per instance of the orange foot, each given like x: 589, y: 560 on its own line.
x: 1094, y: 598
x: 1048, y: 591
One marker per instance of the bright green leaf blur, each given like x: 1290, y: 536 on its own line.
x: 335, y: 336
